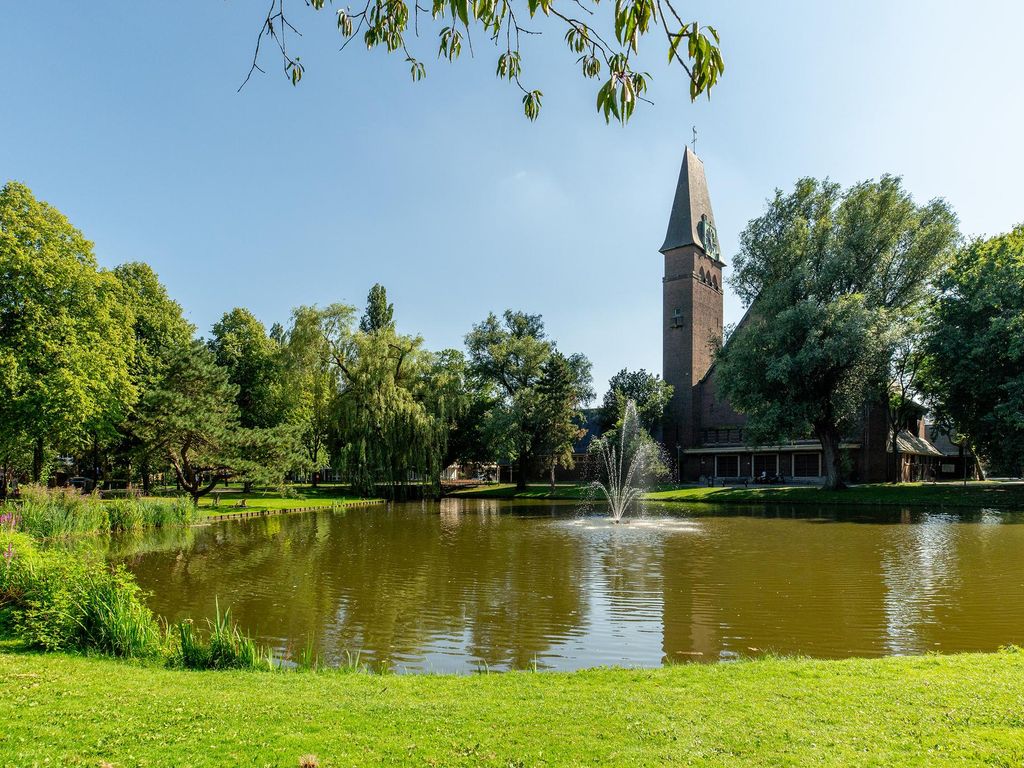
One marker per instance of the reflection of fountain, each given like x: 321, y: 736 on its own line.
x: 624, y: 466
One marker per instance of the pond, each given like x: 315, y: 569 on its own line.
x: 463, y: 585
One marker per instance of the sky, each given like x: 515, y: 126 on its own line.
x: 125, y: 116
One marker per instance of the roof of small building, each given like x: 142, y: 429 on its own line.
x: 917, y: 446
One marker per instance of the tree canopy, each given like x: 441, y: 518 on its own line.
x: 65, y: 337
x: 975, y: 348
x: 648, y: 391
x: 605, y: 49
x: 826, y: 273
x: 535, y: 400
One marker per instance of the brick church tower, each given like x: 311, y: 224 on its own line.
x: 692, y: 301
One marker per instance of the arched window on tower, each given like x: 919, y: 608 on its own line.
x: 714, y: 281
x: 703, y: 276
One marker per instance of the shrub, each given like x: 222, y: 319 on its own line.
x: 59, y: 601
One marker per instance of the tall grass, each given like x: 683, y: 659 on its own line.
x: 227, y: 647
x: 57, y: 512
x: 60, y: 601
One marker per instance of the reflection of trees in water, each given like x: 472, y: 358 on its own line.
x: 389, y: 582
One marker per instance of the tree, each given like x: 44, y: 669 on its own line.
x: 690, y: 45
x: 65, y: 338
x: 975, y: 346
x: 190, y: 417
x: 510, y: 355
x: 647, y: 390
x: 825, y: 275
x: 901, y: 380
x: 310, y: 385
x: 158, y: 325
x: 379, y: 315
x: 394, y: 405
x: 563, y: 389
x: 240, y: 344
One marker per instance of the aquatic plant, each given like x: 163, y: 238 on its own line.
x: 227, y: 647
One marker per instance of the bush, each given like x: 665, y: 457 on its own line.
x: 59, y: 601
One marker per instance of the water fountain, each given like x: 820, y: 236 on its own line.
x: 625, y: 460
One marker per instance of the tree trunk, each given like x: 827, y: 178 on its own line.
x: 830, y: 438
x: 315, y: 479
x: 37, y: 460
x: 552, y: 477
x: 521, y: 480
x: 147, y: 483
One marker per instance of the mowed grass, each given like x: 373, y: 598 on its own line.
x: 228, y: 500
x: 974, y: 494
x: 924, y: 711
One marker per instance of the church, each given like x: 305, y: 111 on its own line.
x: 701, y: 431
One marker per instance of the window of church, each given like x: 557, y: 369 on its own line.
x: 766, y: 463
x: 806, y: 465
x: 727, y: 466
x: 677, y: 318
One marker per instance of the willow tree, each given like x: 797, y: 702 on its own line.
x: 826, y: 275
x: 394, y: 405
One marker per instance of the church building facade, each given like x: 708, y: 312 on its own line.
x: 701, y: 430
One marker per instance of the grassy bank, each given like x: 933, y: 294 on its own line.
x: 975, y: 494
x: 927, y: 711
x: 231, y: 499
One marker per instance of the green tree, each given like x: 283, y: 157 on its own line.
x: 825, y: 274
x: 65, y: 338
x: 901, y: 379
x: 159, y: 325
x: 647, y: 390
x: 975, y: 364
x: 241, y: 345
x: 379, y: 314
x: 605, y: 48
x: 394, y: 406
x: 510, y: 354
x: 189, y: 417
x: 310, y: 386
x: 564, y: 388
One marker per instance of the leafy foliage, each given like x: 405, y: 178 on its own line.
x: 613, y: 50
x: 648, y: 392
x: 65, y: 337
x: 241, y: 346
x: 975, y: 364
x: 535, y: 402
x: 826, y: 274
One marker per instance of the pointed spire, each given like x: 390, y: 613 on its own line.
x: 691, y: 203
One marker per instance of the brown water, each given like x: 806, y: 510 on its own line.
x: 462, y: 584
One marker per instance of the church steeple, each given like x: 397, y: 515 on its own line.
x: 691, y: 301
x: 692, y: 222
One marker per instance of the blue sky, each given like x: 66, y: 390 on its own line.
x: 125, y: 116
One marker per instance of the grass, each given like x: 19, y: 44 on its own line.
x: 324, y: 496
x: 924, y: 711
x: 975, y: 494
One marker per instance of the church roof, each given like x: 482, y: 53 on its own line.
x: 691, y: 202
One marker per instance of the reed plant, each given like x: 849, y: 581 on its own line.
x: 227, y: 646
x: 61, y: 512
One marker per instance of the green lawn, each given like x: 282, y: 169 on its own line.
x: 976, y: 494
x: 925, y: 711
x: 300, y: 497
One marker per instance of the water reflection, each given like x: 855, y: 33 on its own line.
x: 452, y: 586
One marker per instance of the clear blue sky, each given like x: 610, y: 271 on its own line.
x: 125, y: 116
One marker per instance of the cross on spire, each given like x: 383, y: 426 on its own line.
x: 694, y: 143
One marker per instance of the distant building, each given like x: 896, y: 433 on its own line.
x: 701, y: 429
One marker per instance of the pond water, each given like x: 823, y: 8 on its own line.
x: 460, y: 585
